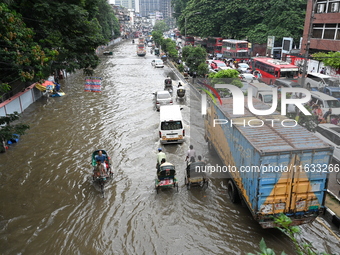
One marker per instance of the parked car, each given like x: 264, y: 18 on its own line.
x: 157, y: 63
x: 247, y: 77
x: 242, y: 67
x: 215, y: 64
x: 162, y: 98
x: 330, y: 134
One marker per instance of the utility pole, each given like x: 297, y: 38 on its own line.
x: 310, y: 29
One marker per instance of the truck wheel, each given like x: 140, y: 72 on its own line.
x: 232, y: 192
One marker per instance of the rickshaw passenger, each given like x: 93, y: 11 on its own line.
x: 161, y: 164
x: 99, y: 170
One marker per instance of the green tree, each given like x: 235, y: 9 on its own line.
x: 157, y: 36
x: 253, y: 20
x: 169, y: 47
x: 160, y: 25
x: 7, y: 129
x: 331, y: 59
x: 74, y: 27
x: 228, y: 76
x: 194, y: 57
x: 21, y: 58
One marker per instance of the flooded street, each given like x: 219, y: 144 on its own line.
x: 49, y: 205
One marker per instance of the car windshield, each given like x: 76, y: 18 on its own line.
x: 243, y: 65
x: 268, y: 99
x: 332, y: 104
x: 171, y: 125
x: 336, y: 94
x: 221, y: 64
x: 163, y: 96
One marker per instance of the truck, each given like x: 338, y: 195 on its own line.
x: 141, y: 51
x: 262, y: 91
x: 273, y: 164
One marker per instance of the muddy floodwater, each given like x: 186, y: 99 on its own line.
x: 49, y: 205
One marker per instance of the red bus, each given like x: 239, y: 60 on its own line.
x: 272, y: 69
x: 235, y: 49
x: 214, y: 45
x: 189, y: 40
x: 200, y: 41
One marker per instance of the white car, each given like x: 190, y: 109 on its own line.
x: 330, y: 134
x: 157, y: 63
x: 247, y: 77
x: 242, y: 67
x: 162, y: 98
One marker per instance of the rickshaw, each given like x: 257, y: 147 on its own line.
x: 180, y: 94
x: 157, y: 51
x: 166, y: 177
x: 168, y: 85
x: 103, y: 179
x: 195, y: 175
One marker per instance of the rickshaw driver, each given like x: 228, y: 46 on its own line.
x: 160, y: 156
x: 102, y: 159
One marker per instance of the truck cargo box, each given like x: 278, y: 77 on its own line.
x: 277, y: 165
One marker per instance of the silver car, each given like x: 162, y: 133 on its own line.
x: 157, y: 63
x: 162, y: 98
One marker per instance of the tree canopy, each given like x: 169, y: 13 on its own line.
x: 253, y: 20
x: 38, y: 37
x: 331, y: 59
x: 161, y: 26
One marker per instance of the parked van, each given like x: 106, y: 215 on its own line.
x: 318, y: 80
x: 171, y: 127
x: 330, y: 134
x: 326, y: 102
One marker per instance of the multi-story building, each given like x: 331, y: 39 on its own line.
x: 325, y: 26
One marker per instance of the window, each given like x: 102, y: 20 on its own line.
x: 171, y: 125
x: 326, y: 31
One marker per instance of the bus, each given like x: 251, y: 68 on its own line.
x: 201, y: 42
x: 214, y: 45
x: 235, y: 49
x: 189, y: 40
x: 272, y: 69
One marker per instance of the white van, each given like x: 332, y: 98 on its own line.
x: 171, y: 127
x: 326, y: 102
x: 318, y: 80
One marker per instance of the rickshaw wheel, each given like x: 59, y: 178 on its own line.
x: 177, y: 186
x: 188, y: 185
x: 157, y: 189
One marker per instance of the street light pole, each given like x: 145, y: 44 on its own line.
x: 185, y: 29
